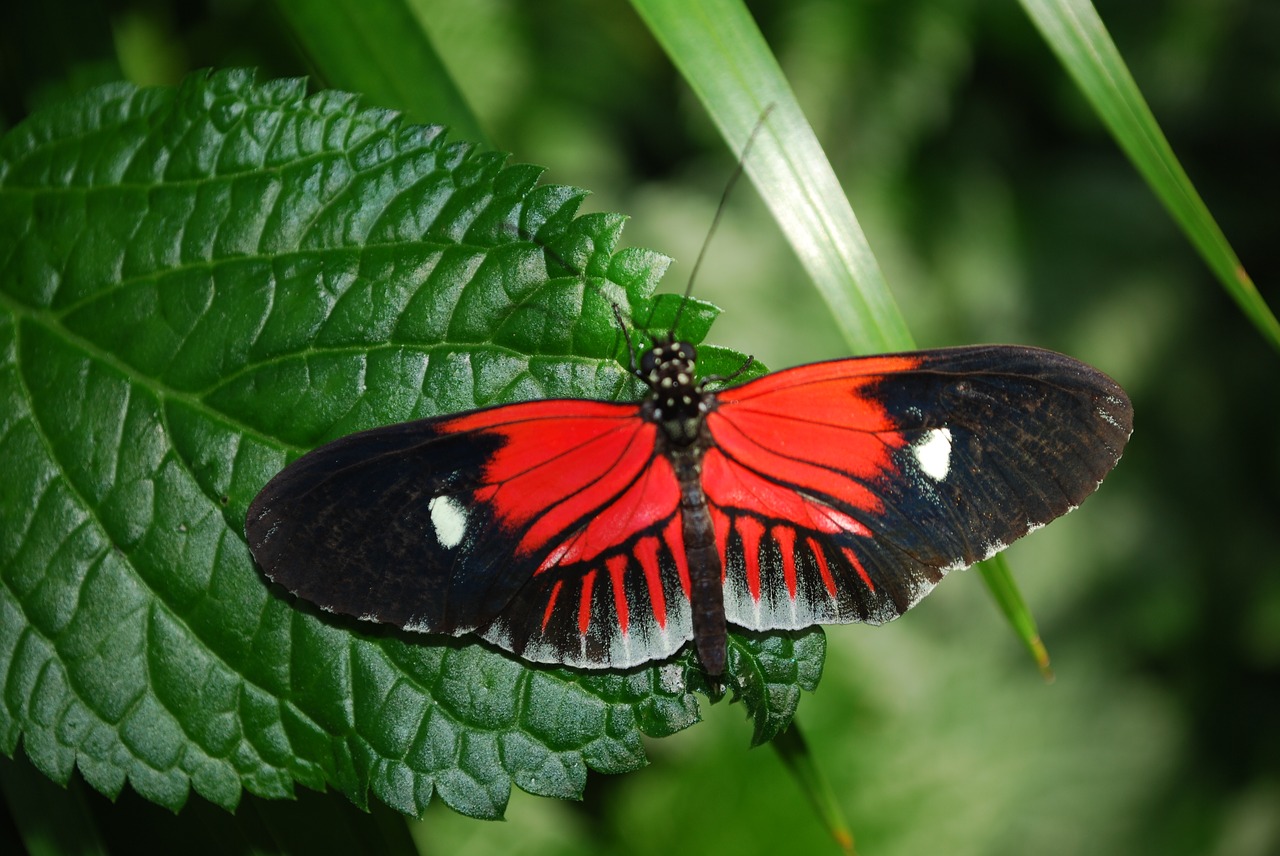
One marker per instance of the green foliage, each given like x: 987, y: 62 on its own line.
x: 205, y: 283
x: 777, y: 667
x: 1077, y: 35
x: 987, y: 175
x: 720, y: 51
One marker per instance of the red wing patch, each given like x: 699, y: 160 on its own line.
x: 555, y: 470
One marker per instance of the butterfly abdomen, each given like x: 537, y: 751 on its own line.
x: 706, y: 568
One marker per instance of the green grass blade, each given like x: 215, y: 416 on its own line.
x: 48, y: 819
x: 379, y: 49
x: 796, y: 755
x: 1077, y: 35
x: 722, y: 55
x: 995, y: 572
x: 720, y: 52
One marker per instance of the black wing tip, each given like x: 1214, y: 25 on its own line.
x: 1110, y: 401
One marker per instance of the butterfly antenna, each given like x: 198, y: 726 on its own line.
x: 715, y: 220
x: 631, y: 351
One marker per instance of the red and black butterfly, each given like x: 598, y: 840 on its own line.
x: 599, y: 534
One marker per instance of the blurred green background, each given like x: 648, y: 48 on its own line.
x: 1000, y: 210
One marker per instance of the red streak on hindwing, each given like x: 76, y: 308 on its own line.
x: 584, y: 602
x: 674, y: 536
x: 720, y: 522
x: 551, y: 603
x: 646, y: 553
x: 750, y: 530
x: 823, y: 570
x: 786, y: 538
x: 617, y: 569
x: 857, y: 566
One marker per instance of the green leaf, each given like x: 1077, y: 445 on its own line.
x: 766, y: 672
x: 771, y: 670
x: 201, y: 284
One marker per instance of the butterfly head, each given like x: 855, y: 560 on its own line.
x: 668, y: 364
x: 676, y: 400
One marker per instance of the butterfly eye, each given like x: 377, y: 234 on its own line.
x: 649, y: 360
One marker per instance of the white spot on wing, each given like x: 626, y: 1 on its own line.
x: 933, y: 453
x: 449, y: 519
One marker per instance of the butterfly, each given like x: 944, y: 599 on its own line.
x: 599, y: 534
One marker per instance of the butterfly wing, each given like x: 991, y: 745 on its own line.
x: 843, y: 491
x: 550, y: 528
x: 838, y: 491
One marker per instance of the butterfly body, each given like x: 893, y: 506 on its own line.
x: 600, y: 534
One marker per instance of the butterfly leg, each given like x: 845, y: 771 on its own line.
x: 723, y: 379
x: 633, y: 366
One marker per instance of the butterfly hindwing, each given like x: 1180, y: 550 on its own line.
x: 843, y: 491
x: 621, y: 608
